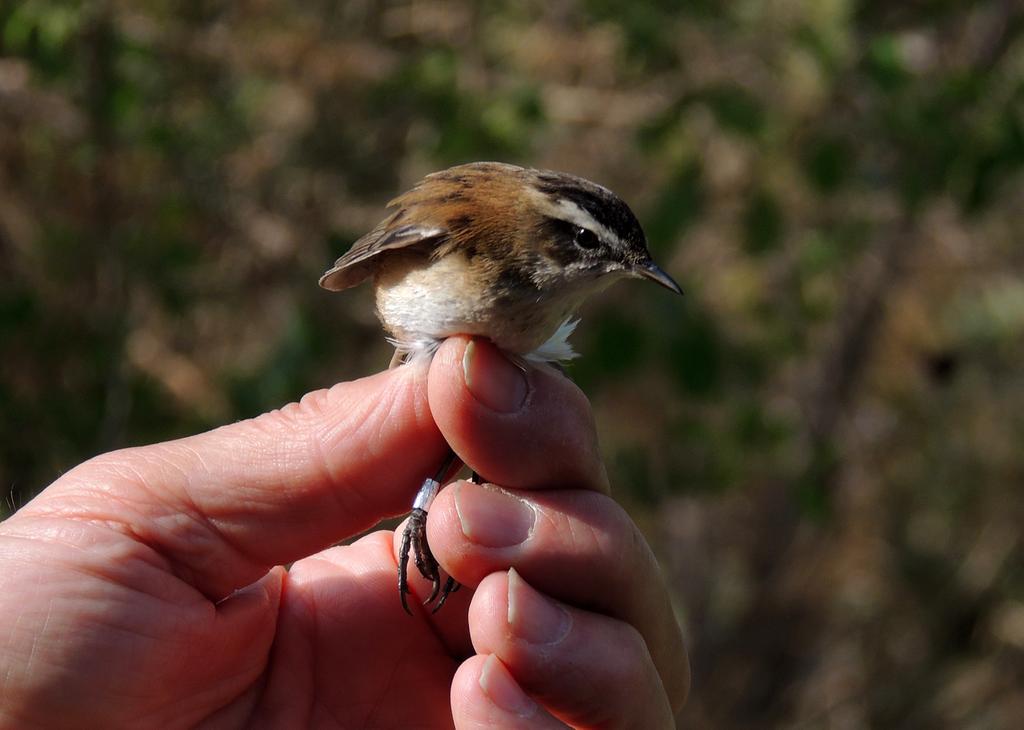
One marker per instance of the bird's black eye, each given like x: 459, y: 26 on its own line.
x: 584, y: 238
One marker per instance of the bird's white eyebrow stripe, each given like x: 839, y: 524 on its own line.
x: 571, y: 212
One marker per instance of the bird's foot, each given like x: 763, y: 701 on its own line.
x: 414, y: 539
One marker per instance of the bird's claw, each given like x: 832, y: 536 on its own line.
x: 414, y: 538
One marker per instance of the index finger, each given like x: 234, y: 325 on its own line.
x: 223, y: 507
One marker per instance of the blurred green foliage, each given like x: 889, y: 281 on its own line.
x: 822, y: 441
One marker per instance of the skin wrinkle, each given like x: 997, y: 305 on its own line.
x: 554, y: 520
x: 249, y: 686
x: 180, y: 552
x: 36, y: 638
x: 79, y: 491
x: 603, y: 539
x: 124, y: 595
x: 100, y: 571
x: 116, y: 528
x: 311, y: 410
x: 315, y: 405
x: 348, y: 494
x: 248, y: 701
x: 322, y: 466
x: 46, y: 538
x: 376, y: 704
x: 129, y: 478
x: 306, y: 601
x: 421, y: 410
x: 389, y: 411
x: 197, y: 456
x: 353, y: 416
x: 275, y: 429
x: 324, y: 709
x: 306, y: 451
x: 416, y: 390
x: 118, y: 465
x: 166, y: 457
x: 120, y: 630
x: 179, y: 513
x: 305, y: 622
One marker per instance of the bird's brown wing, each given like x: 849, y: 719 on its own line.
x: 435, y: 215
x: 356, y: 264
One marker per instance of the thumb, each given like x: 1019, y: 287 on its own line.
x: 224, y: 506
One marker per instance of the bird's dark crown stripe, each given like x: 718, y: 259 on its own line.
x: 604, y: 207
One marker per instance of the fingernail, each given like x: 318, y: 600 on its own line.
x: 493, y: 379
x: 532, y: 616
x: 502, y: 689
x: 492, y: 517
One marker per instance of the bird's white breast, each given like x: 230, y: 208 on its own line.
x: 421, y: 302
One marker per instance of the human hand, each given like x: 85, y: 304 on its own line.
x: 118, y: 583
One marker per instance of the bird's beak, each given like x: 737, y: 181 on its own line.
x: 650, y: 270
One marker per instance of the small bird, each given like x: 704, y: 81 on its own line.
x: 491, y: 250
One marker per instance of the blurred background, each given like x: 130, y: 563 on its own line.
x: 824, y: 440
